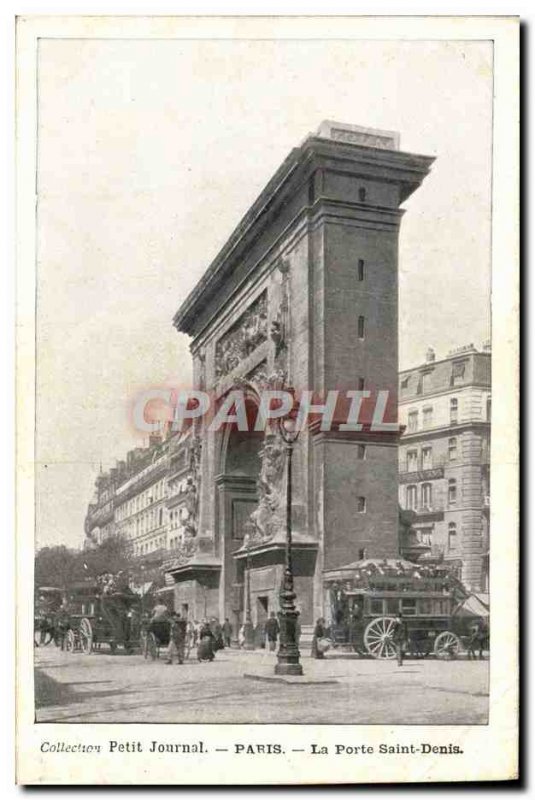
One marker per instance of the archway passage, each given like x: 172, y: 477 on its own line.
x: 237, y: 499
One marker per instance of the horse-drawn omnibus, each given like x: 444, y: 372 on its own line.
x: 366, y: 597
x: 103, y: 612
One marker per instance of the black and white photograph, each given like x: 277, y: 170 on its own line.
x: 266, y: 438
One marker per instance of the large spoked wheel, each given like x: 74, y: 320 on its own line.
x: 86, y: 636
x: 378, y: 638
x: 69, y: 642
x: 447, y: 645
x: 151, y: 646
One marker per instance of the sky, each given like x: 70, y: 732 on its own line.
x: 149, y: 154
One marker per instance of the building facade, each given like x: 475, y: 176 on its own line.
x: 100, y: 518
x: 444, y: 458
x: 304, y: 294
x: 141, y: 499
x: 140, y: 502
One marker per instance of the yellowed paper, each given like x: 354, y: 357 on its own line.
x: 141, y: 144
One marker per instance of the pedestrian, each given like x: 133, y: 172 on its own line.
x: 205, y: 648
x: 217, y: 631
x: 272, y: 630
x: 241, y: 636
x: 259, y: 635
x: 227, y: 632
x: 483, y: 637
x: 399, y: 637
x: 318, y: 639
x: 476, y: 640
x: 177, y: 639
x: 63, y: 623
x: 355, y: 628
x: 197, y: 625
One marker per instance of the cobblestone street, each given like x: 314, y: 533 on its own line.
x: 340, y: 689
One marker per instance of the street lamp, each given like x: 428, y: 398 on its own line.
x: 288, y: 655
x: 248, y: 630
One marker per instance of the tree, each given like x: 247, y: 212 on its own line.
x: 58, y: 566
x: 62, y: 567
x: 110, y: 556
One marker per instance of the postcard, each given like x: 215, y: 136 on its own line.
x: 267, y: 400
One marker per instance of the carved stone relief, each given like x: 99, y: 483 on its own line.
x: 267, y: 518
x: 247, y: 333
x: 279, y: 330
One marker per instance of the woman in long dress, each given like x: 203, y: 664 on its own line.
x: 320, y: 632
x: 205, y: 647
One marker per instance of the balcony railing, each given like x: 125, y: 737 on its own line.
x: 417, y: 475
x: 432, y: 510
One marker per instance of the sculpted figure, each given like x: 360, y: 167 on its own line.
x: 267, y: 515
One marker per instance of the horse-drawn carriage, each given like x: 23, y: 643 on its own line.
x: 157, y: 634
x: 103, y: 613
x: 48, y: 600
x: 366, y: 597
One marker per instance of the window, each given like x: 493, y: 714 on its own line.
x: 408, y: 606
x: 457, y: 373
x: 489, y: 408
x: 427, y: 495
x: 361, y: 328
x: 411, y: 497
x: 376, y: 608
x: 426, y: 382
x: 160, y: 517
x: 361, y: 452
x: 452, y: 449
x: 413, y: 421
x: 428, y: 417
x: 425, y: 536
x: 452, y: 536
x: 425, y: 606
x: 452, y: 491
x: 361, y: 384
x: 405, y: 382
x: 361, y: 269
x: 454, y: 410
x: 427, y: 458
x: 412, y: 460
x: 362, y: 194
x: 361, y: 504
x: 392, y: 605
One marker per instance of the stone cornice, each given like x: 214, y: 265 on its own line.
x: 444, y: 430
x: 405, y: 169
x: 141, y: 481
x: 365, y: 436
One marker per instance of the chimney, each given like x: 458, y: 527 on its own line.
x: 430, y: 355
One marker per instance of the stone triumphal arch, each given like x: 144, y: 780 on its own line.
x: 303, y: 294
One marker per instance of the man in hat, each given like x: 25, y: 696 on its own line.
x: 399, y: 637
x: 227, y: 632
x: 177, y: 639
x: 272, y: 630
